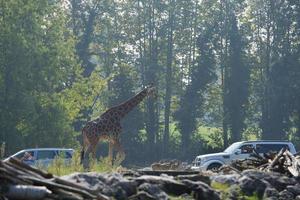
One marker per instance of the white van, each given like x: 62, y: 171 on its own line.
x: 239, y: 150
x: 42, y: 156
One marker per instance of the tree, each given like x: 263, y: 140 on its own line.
x: 168, y: 77
x: 192, y: 101
x: 37, y: 63
x: 236, y: 92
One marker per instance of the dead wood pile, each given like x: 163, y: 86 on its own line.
x: 283, y: 162
x: 169, y: 165
x: 20, y: 181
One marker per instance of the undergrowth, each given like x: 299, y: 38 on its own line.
x: 60, y: 166
x: 224, y: 190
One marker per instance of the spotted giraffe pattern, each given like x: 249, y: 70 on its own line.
x: 108, y: 126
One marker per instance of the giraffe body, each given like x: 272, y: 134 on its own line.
x: 108, y: 126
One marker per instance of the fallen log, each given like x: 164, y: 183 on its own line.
x: 24, y: 166
x: 276, y: 159
x: 24, y: 192
x: 294, y: 167
x: 20, y: 181
x: 52, y: 185
x: 13, y: 180
x: 17, y: 170
x: 67, y: 183
x: 62, y: 194
x: 167, y: 172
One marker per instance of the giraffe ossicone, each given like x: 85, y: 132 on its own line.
x: 108, y: 127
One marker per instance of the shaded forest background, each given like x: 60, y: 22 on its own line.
x: 225, y: 70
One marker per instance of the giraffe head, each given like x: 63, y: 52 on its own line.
x: 151, y: 91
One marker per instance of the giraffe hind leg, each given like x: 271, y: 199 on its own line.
x: 110, y: 152
x: 94, y: 149
x: 121, y: 154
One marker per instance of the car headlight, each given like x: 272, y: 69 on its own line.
x: 197, y: 162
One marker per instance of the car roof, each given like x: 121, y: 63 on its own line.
x: 266, y: 141
x: 48, y: 149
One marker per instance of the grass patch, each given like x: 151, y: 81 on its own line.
x: 242, y: 196
x: 225, y: 191
x: 60, y: 167
x: 182, y: 197
x: 220, y: 186
x: 254, y: 197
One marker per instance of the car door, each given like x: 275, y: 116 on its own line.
x: 266, y: 148
x: 243, y: 152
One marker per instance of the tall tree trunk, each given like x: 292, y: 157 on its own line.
x: 225, y: 112
x: 266, y: 91
x: 85, y: 40
x: 224, y: 63
x: 168, y: 77
x: 150, y: 74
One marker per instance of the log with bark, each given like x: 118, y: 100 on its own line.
x: 21, y: 181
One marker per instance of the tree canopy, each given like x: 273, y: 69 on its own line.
x: 225, y: 71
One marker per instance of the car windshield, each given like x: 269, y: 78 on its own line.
x: 232, y: 147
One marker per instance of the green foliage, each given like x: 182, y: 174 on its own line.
x: 81, y: 95
x: 219, y: 186
x: 38, y: 63
x: 205, y: 140
x: 60, y: 167
x: 224, y: 189
x: 183, y: 197
x: 251, y: 133
x: 42, y: 83
x: 210, y: 136
x: 102, y: 165
x: 175, y: 138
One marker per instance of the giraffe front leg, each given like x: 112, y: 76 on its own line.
x: 85, y: 144
x: 86, y: 157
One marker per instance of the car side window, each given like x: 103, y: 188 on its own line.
x: 48, y: 154
x: 26, y: 155
x: 266, y: 148
x: 246, y: 149
x: 64, y: 154
x: 68, y: 154
x: 20, y: 155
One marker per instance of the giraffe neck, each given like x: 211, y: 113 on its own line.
x: 128, y: 105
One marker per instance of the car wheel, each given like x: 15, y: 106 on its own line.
x: 214, y: 167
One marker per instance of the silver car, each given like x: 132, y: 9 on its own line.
x: 42, y: 157
x: 239, y: 150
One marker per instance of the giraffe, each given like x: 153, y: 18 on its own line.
x: 108, y: 127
